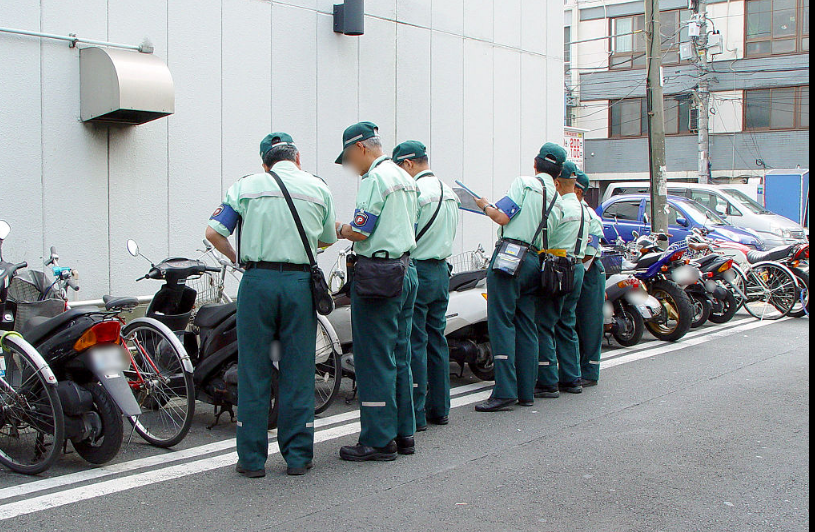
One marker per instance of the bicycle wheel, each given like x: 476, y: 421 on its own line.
x: 328, y: 371
x: 771, y: 291
x: 163, y: 386
x: 32, y: 427
x: 801, y: 307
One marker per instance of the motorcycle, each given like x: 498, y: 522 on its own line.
x: 466, y: 331
x: 655, y: 268
x: 209, y: 334
x: 83, y: 347
x: 628, y: 306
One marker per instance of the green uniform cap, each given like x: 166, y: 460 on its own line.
x: 582, y: 180
x: 554, y: 153
x: 273, y: 140
x: 412, y: 149
x: 357, y: 133
x: 569, y: 171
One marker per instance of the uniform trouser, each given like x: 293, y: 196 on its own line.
x: 511, y: 322
x: 275, y: 305
x: 590, y: 322
x: 559, y: 358
x: 430, y: 356
x: 381, y: 329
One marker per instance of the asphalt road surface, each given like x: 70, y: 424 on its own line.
x: 708, y: 434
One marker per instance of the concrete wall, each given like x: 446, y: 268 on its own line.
x: 482, y: 86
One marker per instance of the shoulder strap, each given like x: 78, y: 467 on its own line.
x: 296, y: 216
x: 426, y: 228
x: 582, y: 229
x: 238, y: 239
x: 544, y: 225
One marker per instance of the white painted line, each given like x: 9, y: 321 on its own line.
x: 165, y: 458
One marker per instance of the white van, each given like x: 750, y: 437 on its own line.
x: 736, y: 207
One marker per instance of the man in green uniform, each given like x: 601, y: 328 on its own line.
x: 592, y: 295
x: 274, y: 301
x: 383, y: 230
x: 435, y: 232
x: 556, y: 325
x: 513, y: 297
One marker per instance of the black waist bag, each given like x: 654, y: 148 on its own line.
x: 557, y: 275
x: 380, y: 278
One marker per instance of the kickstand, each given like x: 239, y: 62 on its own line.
x: 135, y: 419
x: 65, y: 447
x: 352, y: 398
x: 219, y: 413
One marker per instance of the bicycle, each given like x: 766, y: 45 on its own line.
x: 32, y: 426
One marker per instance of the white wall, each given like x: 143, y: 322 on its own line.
x: 483, y: 86
x: 728, y: 111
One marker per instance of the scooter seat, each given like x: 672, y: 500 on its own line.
x: 466, y: 280
x: 39, y: 327
x: 117, y: 303
x: 648, y: 260
x: 707, y: 260
x: 774, y: 254
x: 210, y: 316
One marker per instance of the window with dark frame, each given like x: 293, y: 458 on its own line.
x: 627, y: 35
x: 629, y: 117
x: 776, y: 109
x: 776, y: 27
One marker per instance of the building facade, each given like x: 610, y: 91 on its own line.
x: 758, y: 79
x: 481, y: 86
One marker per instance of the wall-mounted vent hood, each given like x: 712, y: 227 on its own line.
x: 123, y: 87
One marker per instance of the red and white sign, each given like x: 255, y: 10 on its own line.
x: 573, y: 139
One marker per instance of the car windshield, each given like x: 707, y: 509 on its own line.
x: 747, y: 201
x: 701, y: 214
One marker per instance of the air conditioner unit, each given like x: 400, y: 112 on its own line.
x: 693, y: 124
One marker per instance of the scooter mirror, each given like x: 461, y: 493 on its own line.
x: 635, y: 234
x: 5, y: 228
x: 133, y: 248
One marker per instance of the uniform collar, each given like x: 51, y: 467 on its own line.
x: 376, y: 163
x: 546, y: 178
x: 423, y: 173
x: 570, y: 195
x: 284, y: 166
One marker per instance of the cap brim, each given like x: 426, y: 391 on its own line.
x: 340, y: 158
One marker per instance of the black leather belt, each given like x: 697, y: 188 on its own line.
x: 431, y: 261
x: 278, y: 266
x: 520, y: 243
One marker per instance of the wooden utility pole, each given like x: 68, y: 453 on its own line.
x: 656, y: 119
x: 702, y: 93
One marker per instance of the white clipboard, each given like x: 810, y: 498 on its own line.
x: 467, y: 198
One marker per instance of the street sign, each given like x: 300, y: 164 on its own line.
x: 573, y: 141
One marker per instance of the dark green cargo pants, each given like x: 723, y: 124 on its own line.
x: 590, y: 320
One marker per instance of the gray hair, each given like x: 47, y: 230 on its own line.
x: 283, y: 152
x: 373, y: 143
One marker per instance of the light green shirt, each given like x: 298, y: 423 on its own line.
x: 387, y: 210
x: 595, y: 231
x: 565, y: 237
x: 437, y: 242
x: 526, y: 193
x: 269, y: 233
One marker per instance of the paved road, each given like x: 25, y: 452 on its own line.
x: 708, y: 434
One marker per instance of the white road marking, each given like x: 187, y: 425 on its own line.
x: 119, y: 484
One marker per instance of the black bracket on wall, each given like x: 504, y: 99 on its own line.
x: 349, y: 17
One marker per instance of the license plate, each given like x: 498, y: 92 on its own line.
x: 108, y: 359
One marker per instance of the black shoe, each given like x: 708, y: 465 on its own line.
x: 364, y: 453
x: 526, y: 403
x: 255, y: 473
x: 405, y: 445
x: 546, y: 392
x: 494, y: 405
x: 421, y: 429
x: 298, y: 471
x: 586, y: 383
x: 443, y: 420
x: 570, y: 387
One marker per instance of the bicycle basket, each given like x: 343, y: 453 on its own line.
x: 27, y: 286
x: 612, y: 262
x: 468, y: 261
x: 208, y: 287
x: 32, y: 309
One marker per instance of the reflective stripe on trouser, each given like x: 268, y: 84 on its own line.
x: 430, y: 356
x: 568, y: 347
x: 276, y: 305
x: 381, y: 331
x: 511, y: 321
x: 590, y: 320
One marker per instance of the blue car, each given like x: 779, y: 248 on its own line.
x: 631, y: 212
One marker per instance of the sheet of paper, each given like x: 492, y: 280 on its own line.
x: 467, y: 201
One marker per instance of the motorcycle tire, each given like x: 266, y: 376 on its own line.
x: 801, y: 309
x: 632, y: 337
x: 107, y: 445
x: 730, y: 306
x: 484, y: 370
x: 702, y: 307
x: 683, y: 310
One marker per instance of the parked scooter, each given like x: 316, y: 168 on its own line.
x: 84, y: 349
x: 628, y: 306
x: 713, y: 289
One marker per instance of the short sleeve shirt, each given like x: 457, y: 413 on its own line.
x: 595, y: 231
x: 387, y: 211
x: 566, y: 235
x: 268, y: 233
x: 437, y: 242
x: 523, y: 204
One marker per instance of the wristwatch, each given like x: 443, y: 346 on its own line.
x: 484, y: 210
x: 339, y: 230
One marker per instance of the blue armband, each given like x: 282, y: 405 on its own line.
x: 594, y: 241
x: 364, y: 221
x: 508, y: 207
x: 226, y: 216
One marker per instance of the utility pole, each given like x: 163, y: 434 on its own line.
x: 702, y: 99
x: 656, y: 119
